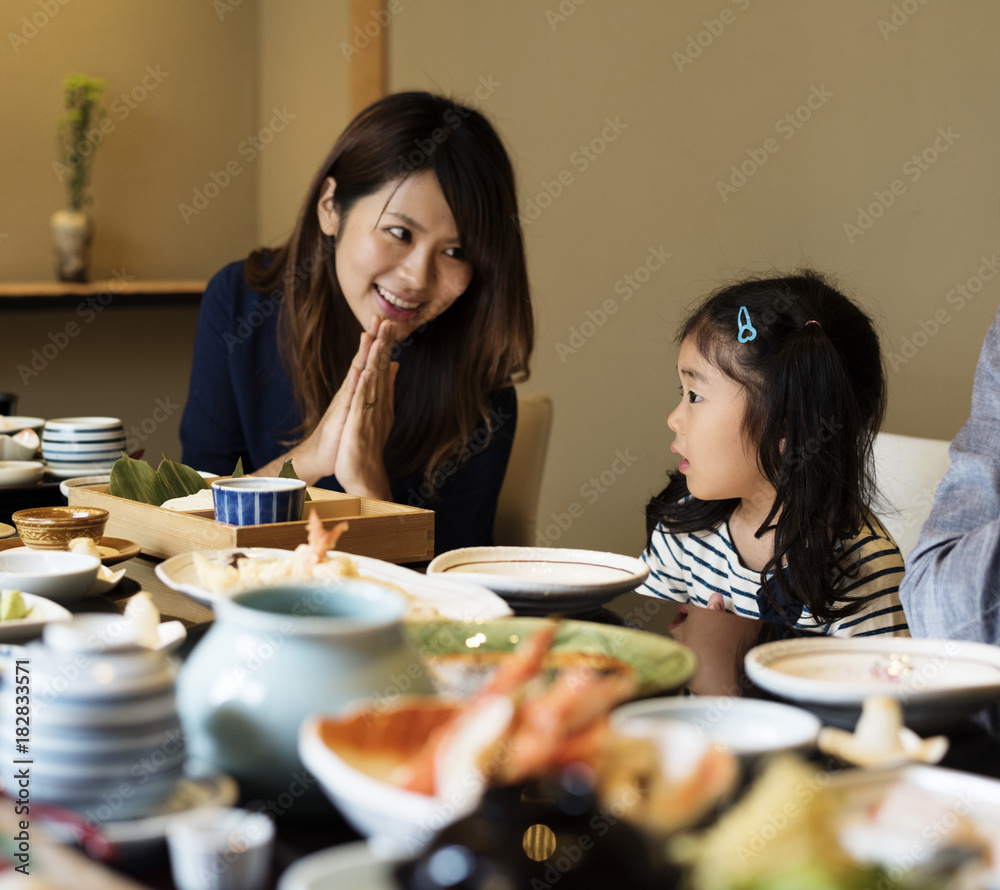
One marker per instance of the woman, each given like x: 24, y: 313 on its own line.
x: 377, y: 347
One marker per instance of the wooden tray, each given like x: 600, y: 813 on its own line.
x: 393, y: 532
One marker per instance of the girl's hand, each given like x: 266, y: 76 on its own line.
x: 360, y: 467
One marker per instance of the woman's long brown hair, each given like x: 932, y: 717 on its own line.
x: 478, y: 345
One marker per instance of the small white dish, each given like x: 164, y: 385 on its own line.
x: 106, y: 581
x: 545, y: 580
x: 20, y: 472
x: 938, y: 682
x: 55, y: 574
x: 16, y: 422
x: 448, y: 598
x: 41, y: 611
x: 78, y: 481
x: 748, y: 727
x: 170, y: 635
x: 11, y: 449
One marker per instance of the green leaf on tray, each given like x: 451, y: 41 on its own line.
x: 287, y: 471
x: 239, y: 469
x: 135, y: 480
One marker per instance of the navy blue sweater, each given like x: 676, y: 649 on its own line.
x: 241, y: 405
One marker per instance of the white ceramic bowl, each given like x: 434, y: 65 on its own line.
x: 748, y: 727
x: 11, y: 449
x: 95, y: 456
x: 59, y: 576
x: 75, y: 449
x: 84, y: 425
x: 396, y: 820
x: 20, y: 472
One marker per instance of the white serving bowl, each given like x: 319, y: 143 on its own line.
x: 748, y: 727
x: 396, y: 820
x: 20, y: 472
x: 56, y: 575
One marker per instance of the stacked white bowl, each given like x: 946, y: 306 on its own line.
x: 82, y: 445
x: 99, y: 731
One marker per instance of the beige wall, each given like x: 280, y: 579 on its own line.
x: 551, y: 85
x: 236, y: 100
x: 879, y: 101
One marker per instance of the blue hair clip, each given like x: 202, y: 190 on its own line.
x: 747, y: 331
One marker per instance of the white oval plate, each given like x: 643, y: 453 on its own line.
x: 15, y: 423
x: 937, y: 681
x: 544, y: 580
x: 20, y: 472
x: 453, y: 599
x: 40, y: 612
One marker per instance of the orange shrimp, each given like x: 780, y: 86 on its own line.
x: 307, y: 556
x: 523, y: 664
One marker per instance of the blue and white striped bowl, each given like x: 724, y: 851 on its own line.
x: 256, y: 500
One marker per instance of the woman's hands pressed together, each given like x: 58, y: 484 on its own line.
x: 350, y: 438
x: 368, y: 418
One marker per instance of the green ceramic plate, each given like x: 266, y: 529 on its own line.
x: 660, y: 664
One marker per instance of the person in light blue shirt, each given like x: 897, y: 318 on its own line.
x: 951, y: 588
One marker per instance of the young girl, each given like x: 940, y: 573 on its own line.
x: 767, y: 518
x: 376, y: 348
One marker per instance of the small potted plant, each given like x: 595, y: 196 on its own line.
x: 79, y: 135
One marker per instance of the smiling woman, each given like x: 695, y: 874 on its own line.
x: 377, y: 348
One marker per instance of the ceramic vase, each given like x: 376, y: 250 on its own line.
x: 72, y: 231
x: 277, y: 655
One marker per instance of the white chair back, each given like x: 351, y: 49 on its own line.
x: 517, y: 506
x: 907, y: 472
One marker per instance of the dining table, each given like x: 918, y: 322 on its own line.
x: 974, y: 748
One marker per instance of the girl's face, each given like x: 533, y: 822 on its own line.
x: 398, y: 253
x: 716, y: 459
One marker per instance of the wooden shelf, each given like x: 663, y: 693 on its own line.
x: 41, y: 294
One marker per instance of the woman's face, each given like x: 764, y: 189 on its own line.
x: 398, y: 255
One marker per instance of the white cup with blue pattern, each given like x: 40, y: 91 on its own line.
x: 256, y: 500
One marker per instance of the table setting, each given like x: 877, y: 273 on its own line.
x: 310, y: 715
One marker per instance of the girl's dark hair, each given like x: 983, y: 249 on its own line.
x: 474, y: 348
x: 815, y: 398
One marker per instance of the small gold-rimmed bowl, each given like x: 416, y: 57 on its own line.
x: 52, y: 528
